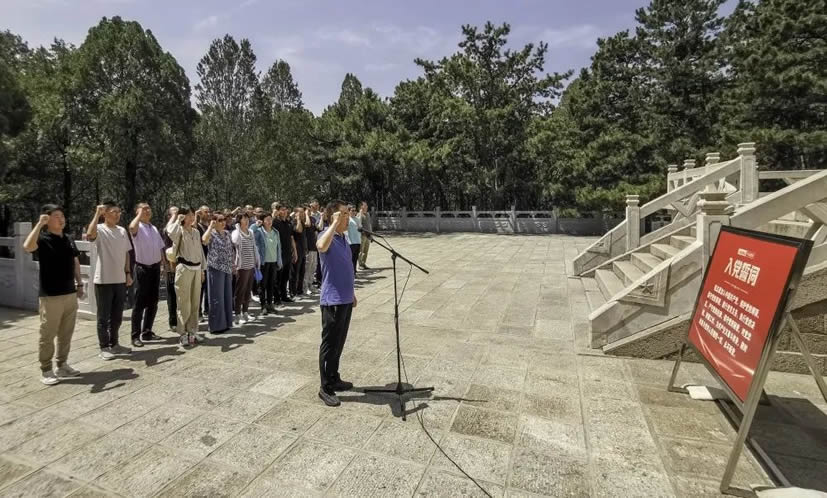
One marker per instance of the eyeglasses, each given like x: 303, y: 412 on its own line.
x: 220, y: 220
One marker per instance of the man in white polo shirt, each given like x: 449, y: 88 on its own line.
x: 112, y: 275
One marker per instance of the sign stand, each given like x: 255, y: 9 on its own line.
x: 735, y: 317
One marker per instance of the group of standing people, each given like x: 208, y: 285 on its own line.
x: 213, y: 263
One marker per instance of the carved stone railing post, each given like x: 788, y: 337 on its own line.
x: 474, y: 218
x: 714, y: 213
x: 670, y: 172
x: 438, y: 214
x: 713, y: 158
x: 632, y: 222
x: 403, y: 219
x: 687, y: 165
x: 749, y: 173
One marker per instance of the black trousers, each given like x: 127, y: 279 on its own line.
x: 283, y: 278
x: 354, y: 254
x: 110, y: 300
x: 267, y: 286
x: 335, y: 324
x: 147, y: 283
x: 172, y: 302
x: 318, y: 268
x: 297, y: 275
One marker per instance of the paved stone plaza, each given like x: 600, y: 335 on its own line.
x: 497, y: 327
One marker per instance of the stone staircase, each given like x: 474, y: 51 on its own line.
x: 641, y: 298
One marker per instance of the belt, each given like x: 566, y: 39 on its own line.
x: 152, y: 266
x: 187, y: 263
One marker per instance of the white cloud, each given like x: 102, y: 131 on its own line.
x: 579, y: 36
x: 207, y: 22
x: 346, y: 36
x: 419, y: 40
x: 381, y: 68
x: 247, y: 3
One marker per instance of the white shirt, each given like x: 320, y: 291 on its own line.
x: 112, y: 246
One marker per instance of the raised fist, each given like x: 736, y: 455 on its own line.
x: 100, y: 210
x: 44, y: 219
x: 181, y: 218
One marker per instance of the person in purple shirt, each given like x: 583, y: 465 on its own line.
x: 338, y: 298
x: 149, y: 256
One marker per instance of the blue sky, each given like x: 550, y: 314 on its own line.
x: 323, y: 40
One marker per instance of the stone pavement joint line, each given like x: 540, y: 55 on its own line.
x: 497, y: 328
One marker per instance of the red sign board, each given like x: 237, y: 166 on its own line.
x: 745, y: 285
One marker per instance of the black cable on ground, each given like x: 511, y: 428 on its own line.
x: 420, y: 415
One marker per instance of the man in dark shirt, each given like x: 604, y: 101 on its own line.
x: 337, y: 302
x: 60, y: 288
x: 284, y: 226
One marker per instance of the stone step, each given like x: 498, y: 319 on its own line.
x: 593, y: 296
x: 608, y: 282
x: 626, y: 271
x: 795, y: 216
x: 663, y: 251
x: 681, y: 241
x: 645, y: 261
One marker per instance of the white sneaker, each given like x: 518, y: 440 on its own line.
x: 256, y: 298
x: 106, y: 354
x: 247, y: 317
x: 236, y: 321
x: 66, y: 371
x: 308, y: 292
x: 49, y: 378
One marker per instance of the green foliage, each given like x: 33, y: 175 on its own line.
x: 485, y: 125
x: 777, y: 95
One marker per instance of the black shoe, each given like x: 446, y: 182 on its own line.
x: 288, y: 300
x: 264, y: 311
x: 217, y: 332
x: 137, y: 343
x: 342, y: 385
x: 363, y: 267
x: 150, y: 336
x: 329, y: 399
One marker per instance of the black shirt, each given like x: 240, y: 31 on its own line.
x: 310, y: 233
x: 56, y: 254
x: 285, y: 228
x: 301, y: 243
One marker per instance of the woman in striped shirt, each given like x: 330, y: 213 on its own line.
x: 246, y: 262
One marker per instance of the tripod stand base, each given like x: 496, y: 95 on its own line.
x: 401, y: 391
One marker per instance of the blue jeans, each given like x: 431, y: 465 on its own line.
x: 221, y: 299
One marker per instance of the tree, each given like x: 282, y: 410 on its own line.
x: 679, y: 45
x: 279, y: 86
x: 597, y: 146
x: 15, y: 113
x: 226, y: 93
x: 482, y: 102
x: 350, y: 94
x: 775, y: 52
x: 133, y: 112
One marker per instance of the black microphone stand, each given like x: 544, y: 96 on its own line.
x: 400, y: 390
